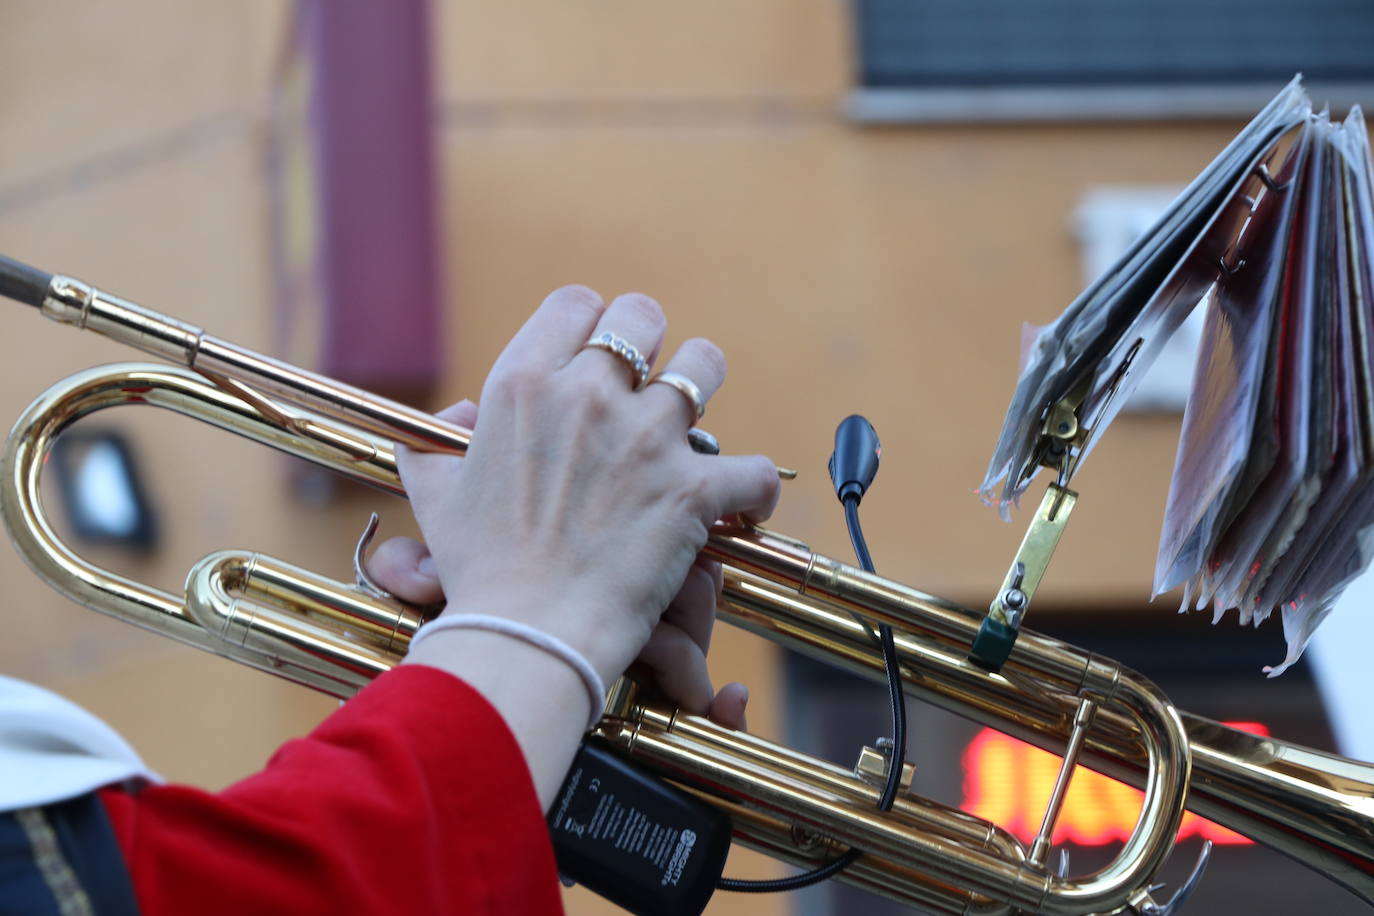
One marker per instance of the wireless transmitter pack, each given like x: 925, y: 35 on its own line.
x: 646, y: 846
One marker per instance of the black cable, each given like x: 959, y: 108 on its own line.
x: 894, y: 674
x: 895, y: 762
x: 794, y: 883
x: 856, y: 533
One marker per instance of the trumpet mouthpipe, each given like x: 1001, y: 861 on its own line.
x: 74, y: 302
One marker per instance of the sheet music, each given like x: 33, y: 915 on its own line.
x: 1144, y: 296
x: 1271, y: 505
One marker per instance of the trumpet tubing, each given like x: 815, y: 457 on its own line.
x: 334, y: 637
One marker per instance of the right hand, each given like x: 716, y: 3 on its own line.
x: 580, y: 508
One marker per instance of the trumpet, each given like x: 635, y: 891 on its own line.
x: 336, y: 636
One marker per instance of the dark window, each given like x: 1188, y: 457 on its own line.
x: 1146, y: 49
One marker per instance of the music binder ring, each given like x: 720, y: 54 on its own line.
x: 1270, y: 187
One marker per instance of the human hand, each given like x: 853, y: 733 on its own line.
x: 580, y: 509
x: 674, y: 657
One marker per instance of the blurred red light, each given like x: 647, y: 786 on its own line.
x: 1008, y: 782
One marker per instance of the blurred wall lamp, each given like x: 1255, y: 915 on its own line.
x: 102, y: 495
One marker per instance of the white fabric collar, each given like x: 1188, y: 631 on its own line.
x: 52, y: 750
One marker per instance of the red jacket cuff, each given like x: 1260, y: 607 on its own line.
x: 412, y: 797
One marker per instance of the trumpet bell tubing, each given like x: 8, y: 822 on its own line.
x: 335, y: 637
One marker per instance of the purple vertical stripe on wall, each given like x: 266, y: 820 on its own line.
x: 379, y: 254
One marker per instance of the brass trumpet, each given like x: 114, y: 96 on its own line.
x: 1316, y: 808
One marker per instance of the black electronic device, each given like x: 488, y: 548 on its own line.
x: 645, y: 845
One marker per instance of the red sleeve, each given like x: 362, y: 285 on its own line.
x: 391, y: 805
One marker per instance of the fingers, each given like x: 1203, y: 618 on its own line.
x: 403, y: 567
x: 410, y: 462
x: 698, y: 360
x: 636, y: 319
x: 555, y: 332
x: 678, y: 667
x: 463, y: 414
x: 727, y: 707
x: 745, y: 485
x: 694, y: 609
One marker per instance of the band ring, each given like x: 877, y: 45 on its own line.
x: 625, y: 351
x: 686, y: 386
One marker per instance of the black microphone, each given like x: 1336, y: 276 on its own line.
x: 854, y: 463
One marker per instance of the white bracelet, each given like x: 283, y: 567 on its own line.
x: 596, y: 689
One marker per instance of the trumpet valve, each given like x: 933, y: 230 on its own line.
x: 873, y: 764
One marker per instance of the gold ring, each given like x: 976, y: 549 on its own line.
x: 689, y: 390
x: 621, y: 348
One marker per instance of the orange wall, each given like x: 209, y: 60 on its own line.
x: 697, y: 154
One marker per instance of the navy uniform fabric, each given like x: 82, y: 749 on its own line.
x: 62, y: 860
